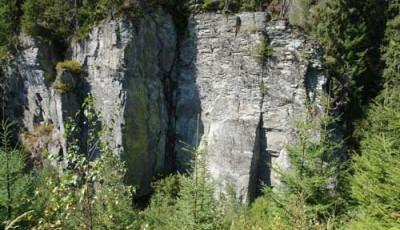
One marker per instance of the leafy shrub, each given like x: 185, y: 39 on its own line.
x: 49, y: 76
x: 89, y: 193
x: 277, y: 8
x: 265, y: 50
x: 234, y: 5
x: 54, y: 23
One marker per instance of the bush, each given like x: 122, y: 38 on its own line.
x: 69, y: 65
x: 263, y: 88
x: 49, y: 76
x: 89, y: 193
x: 265, y: 50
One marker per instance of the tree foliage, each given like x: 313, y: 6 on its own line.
x: 376, y: 176
x: 15, y: 181
x: 391, y: 46
x: 233, y: 5
x: 86, y: 189
x: 59, y: 20
x: 309, y: 196
x: 350, y: 33
x: 375, y: 184
x: 9, y: 19
x: 188, y: 204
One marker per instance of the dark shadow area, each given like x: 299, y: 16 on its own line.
x: 188, y: 125
x: 263, y: 165
x: 311, y: 83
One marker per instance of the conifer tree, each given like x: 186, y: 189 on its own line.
x: 309, y: 196
x: 192, y: 207
x: 350, y: 33
x: 391, y: 45
x: 376, y: 179
x: 196, y: 206
x: 162, y: 204
x: 15, y: 182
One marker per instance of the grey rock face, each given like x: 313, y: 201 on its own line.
x: 294, y: 78
x: 127, y: 64
x: 31, y: 100
x: 222, y: 88
x: 246, y: 106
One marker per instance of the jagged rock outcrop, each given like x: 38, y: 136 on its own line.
x: 32, y: 101
x: 246, y: 102
x: 232, y: 83
x: 220, y: 73
x: 128, y: 65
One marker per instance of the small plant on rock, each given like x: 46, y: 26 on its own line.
x: 264, y: 51
x: 69, y: 65
x: 66, y: 79
x: 263, y: 88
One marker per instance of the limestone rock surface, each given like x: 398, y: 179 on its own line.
x: 242, y: 100
x: 232, y: 84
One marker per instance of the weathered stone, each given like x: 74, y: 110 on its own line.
x: 31, y: 100
x: 242, y: 106
x: 233, y: 88
x: 127, y: 63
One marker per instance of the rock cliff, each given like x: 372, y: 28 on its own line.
x: 232, y: 83
x: 247, y: 79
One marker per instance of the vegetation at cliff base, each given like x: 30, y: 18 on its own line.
x: 16, y: 183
